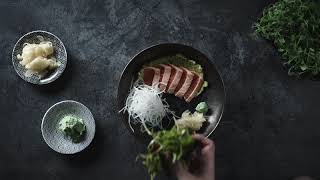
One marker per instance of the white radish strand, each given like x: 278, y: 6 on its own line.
x: 145, y: 105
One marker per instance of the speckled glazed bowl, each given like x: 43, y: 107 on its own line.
x: 54, y: 138
x: 60, y: 54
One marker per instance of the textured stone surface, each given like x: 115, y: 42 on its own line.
x: 270, y: 129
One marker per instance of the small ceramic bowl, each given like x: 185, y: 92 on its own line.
x: 60, y: 54
x: 54, y: 138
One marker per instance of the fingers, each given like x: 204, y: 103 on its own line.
x: 204, y: 140
x: 207, y: 150
x: 206, y: 161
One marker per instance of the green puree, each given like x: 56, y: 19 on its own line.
x: 72, y: 127
x: 180, y: 61
x: 202, y: 107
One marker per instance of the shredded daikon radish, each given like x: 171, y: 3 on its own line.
x: 145, y: 105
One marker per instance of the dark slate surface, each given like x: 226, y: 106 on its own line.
x: 270, y: 129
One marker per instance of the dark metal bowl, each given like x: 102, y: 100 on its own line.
x: 214, y: 95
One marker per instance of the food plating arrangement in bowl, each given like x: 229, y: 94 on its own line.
x: 172, y: 81
x: 39, y: 57
x: 166, y: 93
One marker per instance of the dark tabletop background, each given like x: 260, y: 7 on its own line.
x: 270, y: 128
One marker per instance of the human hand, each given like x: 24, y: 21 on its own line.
x: 206, y: 162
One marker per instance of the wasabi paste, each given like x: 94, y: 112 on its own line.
x: 202, y: 107
x: 72, y: 127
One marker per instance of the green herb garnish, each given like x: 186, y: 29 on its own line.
x: 294, y: 27
x: 171, y: 145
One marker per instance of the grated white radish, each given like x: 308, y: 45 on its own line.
x: 145, y: 105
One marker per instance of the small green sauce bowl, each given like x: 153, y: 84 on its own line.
x: 55, y: 139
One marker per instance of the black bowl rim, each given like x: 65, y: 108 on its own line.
x: 120, y: 106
